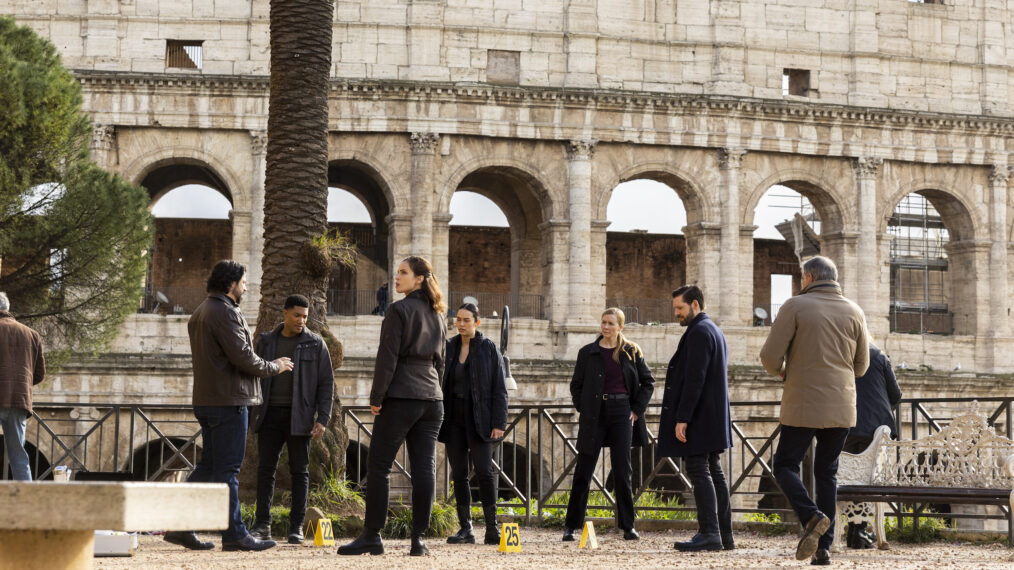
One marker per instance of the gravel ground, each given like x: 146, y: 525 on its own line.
x: 543, y: 549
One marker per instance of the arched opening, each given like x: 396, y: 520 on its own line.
x: 358, y: 206
x: 37, y: 462
x: 156, y: 461
x: 193, y: 231
x: 356, y: 458
x: 515, y: 463
x: 788, y: 231
x: 646, y: 251
x: 495, y: 246
x: 926, y: 228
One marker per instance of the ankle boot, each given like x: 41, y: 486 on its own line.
x: 366, y: 543
x: 418, y: 547
x: 464, y: 535
x: 492, y: 529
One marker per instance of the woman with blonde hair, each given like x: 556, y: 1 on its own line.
x: 407, y: 401
x: 611, y: 388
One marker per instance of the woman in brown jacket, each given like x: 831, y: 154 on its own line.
x: 407, y: 401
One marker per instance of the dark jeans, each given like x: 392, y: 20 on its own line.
x: 792, y: 445
x: 616, y: 431
x: 462, y: 442
x: 416, y: 423
x: 274, y: 433
x: 223, y: 433
x: 711, y: 493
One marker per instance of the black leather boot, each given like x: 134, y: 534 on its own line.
x: 492, y: 529
x: 464, y: 535
x: 418, y: 547
x: 366, y: 543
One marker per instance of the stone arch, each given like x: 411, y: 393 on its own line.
x: 397, y: 197
x: 522, y: 171
x: 689, y: 190
x: 146, y: 164
x: 819, y: 191
x: 954, y: 208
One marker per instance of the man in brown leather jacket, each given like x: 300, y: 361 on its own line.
x: 226, y: 372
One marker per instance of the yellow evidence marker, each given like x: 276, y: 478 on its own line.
x: 588, y: 536
x: 510, y: 538
x: 323, y: 535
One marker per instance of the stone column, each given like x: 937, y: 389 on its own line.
x: 703, y: 256
x: 744, y: 315
x: 555, y: 273
x: 423, y: 146
x: 599, y: 264
x: 579, y: 153
x: 867, y: 267
x: 103, y: 141
x: 841, y: 248
x: 399, y: 245
x: 441, y: 249
x: 729, y: 160
x: 967, y: 263
x: 999, y: 301
x: 258, y: 154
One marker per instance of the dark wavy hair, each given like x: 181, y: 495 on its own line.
x: 430, y: 287
x: 471, y: 308
x: 224, y: 274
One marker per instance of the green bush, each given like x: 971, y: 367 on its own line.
x: 279, y: 518
x: 335, y: 495
x: 443, y: 522
x: 775, y: 526
x: 928, y: 530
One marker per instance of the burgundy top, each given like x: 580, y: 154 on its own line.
x: 614, y: 373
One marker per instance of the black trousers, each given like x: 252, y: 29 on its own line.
x: 792, y: 445
x: 616, y: 432
x: 416, y: 423
x: 711, y: 493
x: 463, y: 442
x: 274, y: 433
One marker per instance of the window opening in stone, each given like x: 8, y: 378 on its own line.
x: 796, y: 82
x: 646, y: 251
x: 356, y: 290
x: 472, y: 209
x: 192, y: 233
x: 919, y: 284
x: 787, y: 230
x: 184, y: 54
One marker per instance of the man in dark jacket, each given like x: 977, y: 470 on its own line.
x: 877, y: 393
x: 695, y: 421
x: 225, y: 384
x: 22, y: 365
x: 296, y: 408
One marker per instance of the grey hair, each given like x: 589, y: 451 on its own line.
x: 820, y: 268
x: 5, y: 303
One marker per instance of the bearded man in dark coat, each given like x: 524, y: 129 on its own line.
x: 695, y: 421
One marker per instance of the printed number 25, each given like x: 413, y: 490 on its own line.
x: 512, y: 536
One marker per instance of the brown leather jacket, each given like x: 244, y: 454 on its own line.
x: 226, y: 367
x: 22, y: 363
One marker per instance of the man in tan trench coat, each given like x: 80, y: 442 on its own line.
x: 818, y: 345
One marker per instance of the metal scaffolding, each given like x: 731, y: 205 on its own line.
x: 919, y: 287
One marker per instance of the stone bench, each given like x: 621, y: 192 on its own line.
x: 964, y: 463
x: 46, y: 525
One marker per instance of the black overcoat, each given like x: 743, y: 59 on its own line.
x: 487, y: 384
x: 697, y: 393
x: 877, y: 392
x: 586, y: 389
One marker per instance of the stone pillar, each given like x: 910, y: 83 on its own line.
x: 967, y: 272
x: 103, y: 141
x: 579, y: 153
x: 729, y: 160
x: 744, y: 314
x: 399, y: 245
x: 841, y: 248
x: 703, y: 256
x: 868, y: 264
x: 258, y: 153
x: 555, y: 273
x: 423, y: 146
x: 441, y: 250
x: 999, y: 301
x: 599, y: 264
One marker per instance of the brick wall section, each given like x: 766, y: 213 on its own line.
x: 772, y: 257
x: 644, y: 266
x: 186, y: 250
x: 479, y: 260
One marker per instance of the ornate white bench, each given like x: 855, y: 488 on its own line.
x: 966, y: 462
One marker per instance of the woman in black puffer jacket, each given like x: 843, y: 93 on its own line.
x: 475, y: 397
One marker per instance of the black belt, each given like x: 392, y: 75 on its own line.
x: 615, y: 396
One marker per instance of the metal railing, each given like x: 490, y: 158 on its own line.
x: 182, y: 300
x: 521, y: 304
x: 352, y: 302
x: 644, y: 311
x: 534, y: 462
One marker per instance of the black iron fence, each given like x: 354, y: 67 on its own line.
x: 644, y: 311
x: 521, y: 304
x: 172, y: 300
x: 535, y: 461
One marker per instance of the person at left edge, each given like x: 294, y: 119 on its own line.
x: 226, y: 369
x: 296, y: 409
x: 611, y: 388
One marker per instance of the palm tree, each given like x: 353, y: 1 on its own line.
x: 298, y: 251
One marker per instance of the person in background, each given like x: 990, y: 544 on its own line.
x: 611, y: 388
x: 475, y: 398
x: 22, y: 365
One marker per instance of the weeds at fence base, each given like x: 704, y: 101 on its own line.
x: 904, y: 529
x: 771, y: 523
